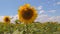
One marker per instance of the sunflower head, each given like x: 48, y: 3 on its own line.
x: 7, y: 19
x: 27, y: 14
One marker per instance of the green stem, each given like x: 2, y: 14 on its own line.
x: 10, y: 28
x: 27, y: 31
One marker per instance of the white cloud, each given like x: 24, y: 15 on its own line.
x: 45, y: 18
x: 1, y: 18
x: 52, y: 11
x: 14, y: 18
x: 58, y: 3
x: 42, y: 18
x: 55, y: 18
x: 42, y: 11
x: 39, y: 7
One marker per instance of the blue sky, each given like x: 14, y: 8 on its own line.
x: 49, y: 7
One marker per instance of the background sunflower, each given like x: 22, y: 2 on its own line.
x: 6, y: 19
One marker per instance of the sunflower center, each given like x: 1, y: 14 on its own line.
x: 27, y: 14
x: 7, y: 20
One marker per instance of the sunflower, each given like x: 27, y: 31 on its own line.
x: 27, y: 14
x: 7, y: 19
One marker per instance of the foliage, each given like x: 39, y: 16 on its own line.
x: 34, y: 28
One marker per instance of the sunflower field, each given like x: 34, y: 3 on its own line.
x: 25, y: 23
x: 34, y: 28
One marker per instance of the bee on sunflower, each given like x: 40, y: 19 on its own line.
x: 6, y: 19
x: 27, y: 14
